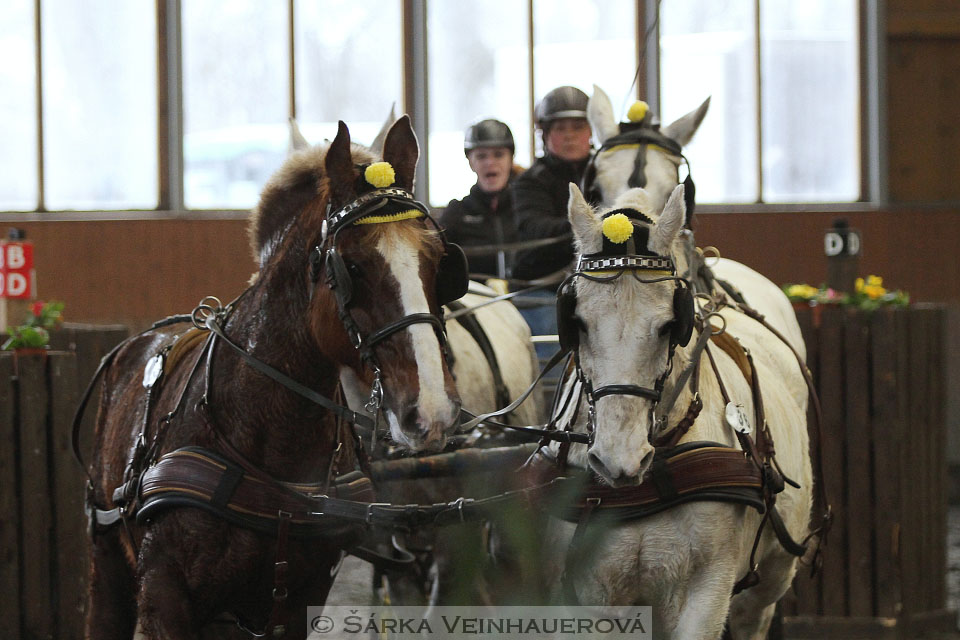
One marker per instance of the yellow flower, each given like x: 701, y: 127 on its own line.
x: 871, y: 287
x: 617, y: 228
x: 380, y: 174
x: 858, y: 285
x: 804, y: 291
x: 638, y: 111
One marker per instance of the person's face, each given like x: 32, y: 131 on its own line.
x: 492, y: 166
x: 569, y: 139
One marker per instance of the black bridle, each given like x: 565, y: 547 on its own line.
x: 642, y: 134
x: 383, y: 202
x: 679, y: 334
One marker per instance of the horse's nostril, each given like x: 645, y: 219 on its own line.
x: 597, y: 465
x: 409, y: 420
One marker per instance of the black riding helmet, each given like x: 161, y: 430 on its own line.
x: 487, y: 133
x: 562, y: 102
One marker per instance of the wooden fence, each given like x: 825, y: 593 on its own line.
x: 43, y: 557
x: 881, y: 380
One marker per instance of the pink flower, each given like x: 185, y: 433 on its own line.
x: 37, y: 308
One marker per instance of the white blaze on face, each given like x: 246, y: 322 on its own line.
x: 403, y: 260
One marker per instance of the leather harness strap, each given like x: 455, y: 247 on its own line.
x: 690, y: 472
x: 193, y: 476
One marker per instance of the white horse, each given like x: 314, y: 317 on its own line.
x: 506, y: 330
x: 685, y: 561
x: 614, y: 167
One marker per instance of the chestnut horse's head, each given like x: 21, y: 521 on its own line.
x: 371, y: 271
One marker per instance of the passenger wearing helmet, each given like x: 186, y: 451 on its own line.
x: 540, y: 195
x: 485, y: 216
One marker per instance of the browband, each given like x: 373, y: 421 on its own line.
x: 359, y: 208
x: 641, y: 135
x: 653, y: 263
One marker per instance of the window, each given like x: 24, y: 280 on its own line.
x: 234, y: 100
x: 18, y: 107
x: 586, y: 42
x: 79, y: 102
x: 789, y: 133
x: 98, y: 85
x: 479, y: 67
x: 347, y: 65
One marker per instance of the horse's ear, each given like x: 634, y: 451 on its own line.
x: 600, y: 115
x: 377, y: 145
x: 587, y: 227
x: 400, y: 149
x: 682, y: 130
x: 668, y: 226
x: 339, y: 165
x: 297, y: 141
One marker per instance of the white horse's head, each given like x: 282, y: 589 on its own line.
x: 625, y: 327
x: 615, y: 165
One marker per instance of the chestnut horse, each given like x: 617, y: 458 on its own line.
x: 363, y: 296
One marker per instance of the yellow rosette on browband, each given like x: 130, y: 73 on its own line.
x: 638, y: 111
x: 617, y: 228
x: 380, y: 174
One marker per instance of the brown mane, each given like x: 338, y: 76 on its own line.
x: 300, y: 179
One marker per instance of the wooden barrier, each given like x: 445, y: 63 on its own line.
x: 43, y: 555
x: 881, y: 377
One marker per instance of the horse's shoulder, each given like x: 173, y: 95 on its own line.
x: 138, y: 349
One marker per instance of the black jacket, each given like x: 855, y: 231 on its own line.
x: 473, y: 221
x: 540, y: 199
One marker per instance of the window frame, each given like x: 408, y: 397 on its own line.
x: 873, y: 144
x: 170, y: 197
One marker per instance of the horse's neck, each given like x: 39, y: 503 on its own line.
x: 709, y: 424
x: 268, y: 424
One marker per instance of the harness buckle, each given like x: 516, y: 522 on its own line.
x: 376, y: 393
x: 368, y: 519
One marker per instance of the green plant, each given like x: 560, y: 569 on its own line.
x: 35, y: 331
x: 868, y: 294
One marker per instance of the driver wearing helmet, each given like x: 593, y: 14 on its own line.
x: 540, y: 198
x: 540, y: 195
x: 485, y: 215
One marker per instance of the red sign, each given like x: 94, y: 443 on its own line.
x: 17, y: 277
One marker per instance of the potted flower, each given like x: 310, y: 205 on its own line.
x: 869, y: 294
x: 34, y: 333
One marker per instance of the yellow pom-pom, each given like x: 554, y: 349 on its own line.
x: 380, y: 174
x: 638, y: 111
x: 617, y: 228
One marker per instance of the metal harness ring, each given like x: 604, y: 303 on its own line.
x: 209, y: 307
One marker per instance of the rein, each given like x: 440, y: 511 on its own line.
x: 212, y: 323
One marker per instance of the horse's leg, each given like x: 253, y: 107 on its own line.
x: 706, y: 604
x: 753, y: 626
x: 295, y: 612
x: 111, y: 608
x: 165, y: 612
x: 751, y: 611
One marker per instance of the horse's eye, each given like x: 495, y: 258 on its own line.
x: 666, y: 327
x: 354, y: 270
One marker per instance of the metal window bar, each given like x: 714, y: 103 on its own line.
x: 758, y: 97
x: 38, y: 62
